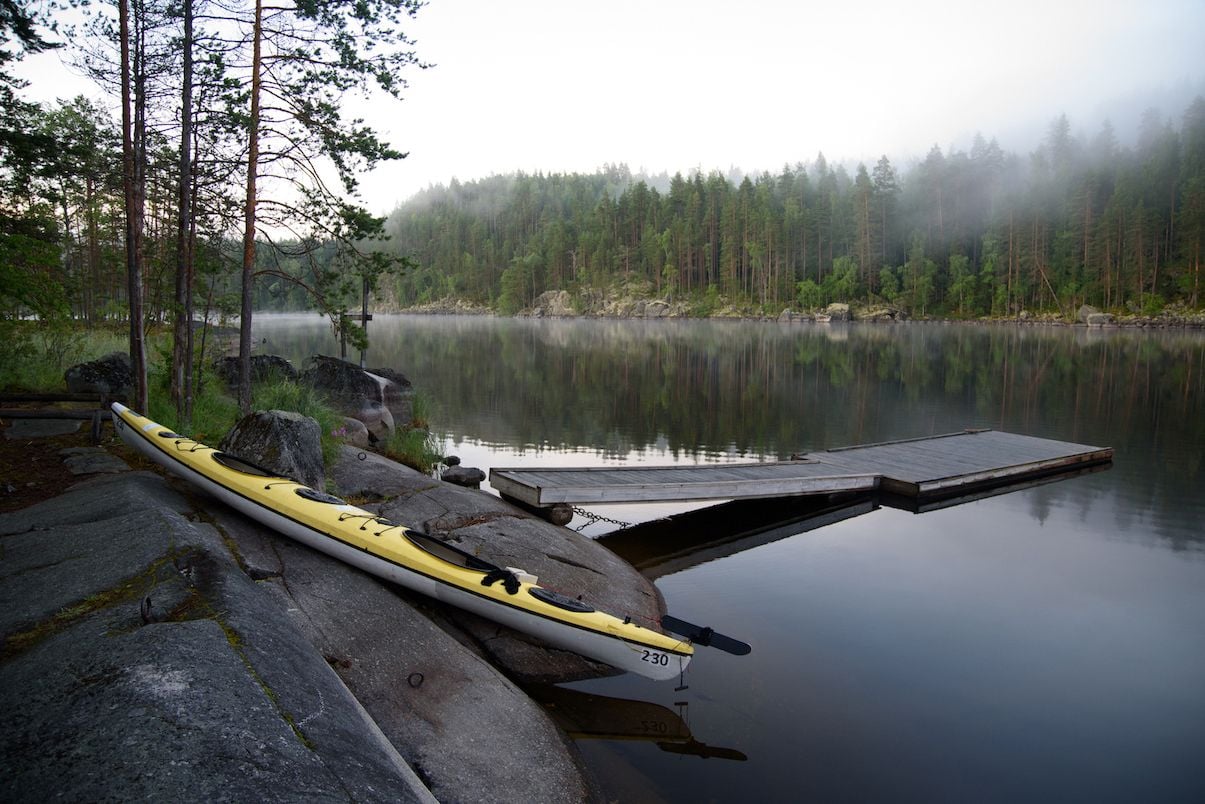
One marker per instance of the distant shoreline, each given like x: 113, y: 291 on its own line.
x: 1179, y: 319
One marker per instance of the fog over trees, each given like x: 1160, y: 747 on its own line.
x: 962, y: 233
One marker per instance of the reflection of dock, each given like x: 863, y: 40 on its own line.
x: 677, y: 543
x: 585, y: 716
x: 919, y: 468
x: 665, y: 546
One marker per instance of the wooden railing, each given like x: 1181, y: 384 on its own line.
x: 95, y: 409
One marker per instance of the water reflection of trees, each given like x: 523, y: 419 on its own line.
x: 705, y: 388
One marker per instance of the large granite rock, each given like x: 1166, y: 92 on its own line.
x: 505, y: 535
x: 553, y: 304
x: 377, y: 420
x: 150, y: 656
x: 354, y: 433
x: 882, y: 314
x: 466, y: 729
x: 282, y: 441
x: 838, y: 311
x: 354, y: 391
x: 110, y: 374
x: 263, y: 367
x: 140, y: 662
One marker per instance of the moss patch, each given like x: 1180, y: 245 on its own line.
x: 128, y: 590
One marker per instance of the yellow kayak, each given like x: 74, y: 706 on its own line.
x: 408, y: 557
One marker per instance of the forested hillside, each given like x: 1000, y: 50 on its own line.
x: 983, y: 232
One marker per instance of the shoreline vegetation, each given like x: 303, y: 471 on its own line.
x: 623, y: 304
x: 39, y: 353
x: 36, y: 353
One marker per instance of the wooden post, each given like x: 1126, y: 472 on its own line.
x: 364, y: 316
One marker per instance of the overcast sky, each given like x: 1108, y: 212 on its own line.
x: 674, y: 85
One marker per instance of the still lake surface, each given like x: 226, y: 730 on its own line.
x: 1046, y: 644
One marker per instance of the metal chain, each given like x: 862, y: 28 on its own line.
x: 594, y: 518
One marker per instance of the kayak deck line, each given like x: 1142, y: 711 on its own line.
x: 400, y: 554
x: 923, y: 468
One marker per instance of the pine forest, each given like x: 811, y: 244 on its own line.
x: 960, y: 234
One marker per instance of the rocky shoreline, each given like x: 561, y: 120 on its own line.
x: 158, y: 644
x: 619, y: 305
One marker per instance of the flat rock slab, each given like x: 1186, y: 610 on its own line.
x: 92, y: 461
x: 466, y: 729
x: 510, y: 537
x: 40, y: 428
x: 140, y: 662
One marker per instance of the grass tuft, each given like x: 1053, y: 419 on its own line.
x: 414, y: 447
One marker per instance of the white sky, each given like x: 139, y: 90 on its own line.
x: 673, y: 85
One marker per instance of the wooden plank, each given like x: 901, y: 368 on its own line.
x: 674, y: 483
x: 918, y: 467
x: 54, y: 413
x: 915, y: 467
x: 97, y: 398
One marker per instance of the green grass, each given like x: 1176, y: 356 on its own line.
x: 33, y: 357
x: 412, y: 446
x: 420, y: 415
x: 284, y: 394
x: 34, y: 354
x: 214, y: 411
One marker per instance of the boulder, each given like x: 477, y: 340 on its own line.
x: 1099, y: 319
x: 1084, y: 311
x: 376, y: 418
x: 397, y: 393
x: 263, y: 367
x: 354, y: 432
x: 342, y: 382
x: 398, y: 379
x: 349, y: 387
x: 507, y: 536
x: 883, y: 314
x: 110, y: 374
x: 281, y: 441
x: 553, y: 304
x: 656, y: 309
x: 468, y: 476
x: 838, y: 312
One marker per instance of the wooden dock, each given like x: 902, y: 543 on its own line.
x: 919, y: 468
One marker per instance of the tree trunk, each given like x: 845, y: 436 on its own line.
x: 131, y: 127
x: 244, y: 340
x: 182, y: 309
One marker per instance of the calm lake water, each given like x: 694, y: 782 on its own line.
x: 1045, y: 644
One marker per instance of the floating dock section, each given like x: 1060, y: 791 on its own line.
x: 919, y: 468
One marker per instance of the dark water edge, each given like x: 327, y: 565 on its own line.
x: 1044, y: 644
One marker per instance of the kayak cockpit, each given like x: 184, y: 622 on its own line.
x: 446, y: 552
x: 243, y: 466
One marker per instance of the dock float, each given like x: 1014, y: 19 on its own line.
x: 924, y: 468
